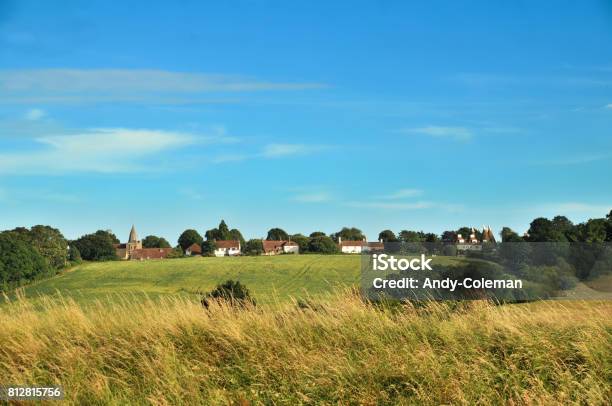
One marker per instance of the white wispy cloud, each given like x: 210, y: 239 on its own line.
x: 392, y: 205
x: 312, y: 197
x: 281, y: 150
x: 104, y: 150
x: 61, y: 85
x: 402, y: 194
x: 35, y: 114
x: 608, y: 106
x: 435, y: 131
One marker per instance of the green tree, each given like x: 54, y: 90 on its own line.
x: 349, y: 234
x: 177, y: 252
x: 543, y: 230
x: 302, y: 241
x: 253, y: 247
x: 19, y: 263
x: 153, y: 241
x: 236, y: 235
x: 317, y: 234
x: 322, y: 245
x: 277, y: 234
x: 509, y: 235
x: 74, y: 256
x: 48, y: 241
x: 449, y: 236
x: 411, y: 236
x: 222, y: 232
x: 189, y: 237
x: 97, y: 246
x: 208, y: 248
x: 387, y: 236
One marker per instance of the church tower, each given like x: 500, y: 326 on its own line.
x: 133, y: 242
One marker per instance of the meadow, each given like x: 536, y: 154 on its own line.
x: 135, y: 333
x: 334, y: 350
x: 270, y: 279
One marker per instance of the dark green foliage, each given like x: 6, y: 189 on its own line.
x: 387, y: 236
x: 232, y: 292
x: 509, y: 235
x: 317, y: 234
x: 97, y: 246
x: 48, y: 241
x: 253, y: 247
x: 153, y: 241
x: 177, y: 252
x: 208, y: 248
x: 449, y: 250
x: 74, y: 255
x: 19, y: 262
x: 189, y: 237
x: 323, y: 245
x: 411, y: 236
x: 302, y: 241
x: 277, y: 234
x: 349, y: 234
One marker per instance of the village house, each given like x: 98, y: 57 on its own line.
x: 194, y: 249
x: 359, y: 246
x: 133, y: 249
x: 471, y: 242
x: 272, y: 247
x: 227, y: 248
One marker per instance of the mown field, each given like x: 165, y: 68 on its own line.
x: 270, y: 279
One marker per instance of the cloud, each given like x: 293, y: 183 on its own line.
x: 61, y: 85
x: 191, y: 193
x: 402, y: 194
x: 392, y: 205
x: 104, y: 150
x: 454, y: 133
x: 608, y: 106
x: 282, y: 150
x: 314, y: 197
x: 35, y: 114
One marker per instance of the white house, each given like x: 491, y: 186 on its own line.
x: 227, y: 248
x: 352, y: 247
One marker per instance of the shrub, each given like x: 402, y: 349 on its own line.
x: 232, y: 292
x: 253, y: 247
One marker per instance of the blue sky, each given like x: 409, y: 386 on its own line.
x: 303, y: 115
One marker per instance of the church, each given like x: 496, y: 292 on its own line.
x: 133, y: 249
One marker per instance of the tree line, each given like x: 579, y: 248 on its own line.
x: 42, y: 251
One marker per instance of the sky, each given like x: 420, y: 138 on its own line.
x: 305, y: 115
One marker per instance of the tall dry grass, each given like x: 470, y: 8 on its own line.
x: 340, y: 350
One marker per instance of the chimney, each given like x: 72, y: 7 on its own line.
x: 339, y: 240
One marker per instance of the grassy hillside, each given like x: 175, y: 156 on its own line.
x: 268, y: 278
x: 339, y: 351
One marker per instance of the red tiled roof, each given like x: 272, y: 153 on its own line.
x: 150, y: 253
x: 377, y: 245
x: 228, y: 244
x: 274, y: 245
x: 195, y: 248
x: 352, y: 243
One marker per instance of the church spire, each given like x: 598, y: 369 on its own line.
x: 133, y: 235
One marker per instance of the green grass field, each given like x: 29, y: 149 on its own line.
x: 270, y: 279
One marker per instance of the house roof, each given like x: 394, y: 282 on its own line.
x: 377, y: 245
x: 273, y: 245
x: 150, y: 253
x: 359, y: 243
x: 228, y: 244
x: 195, y: 247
